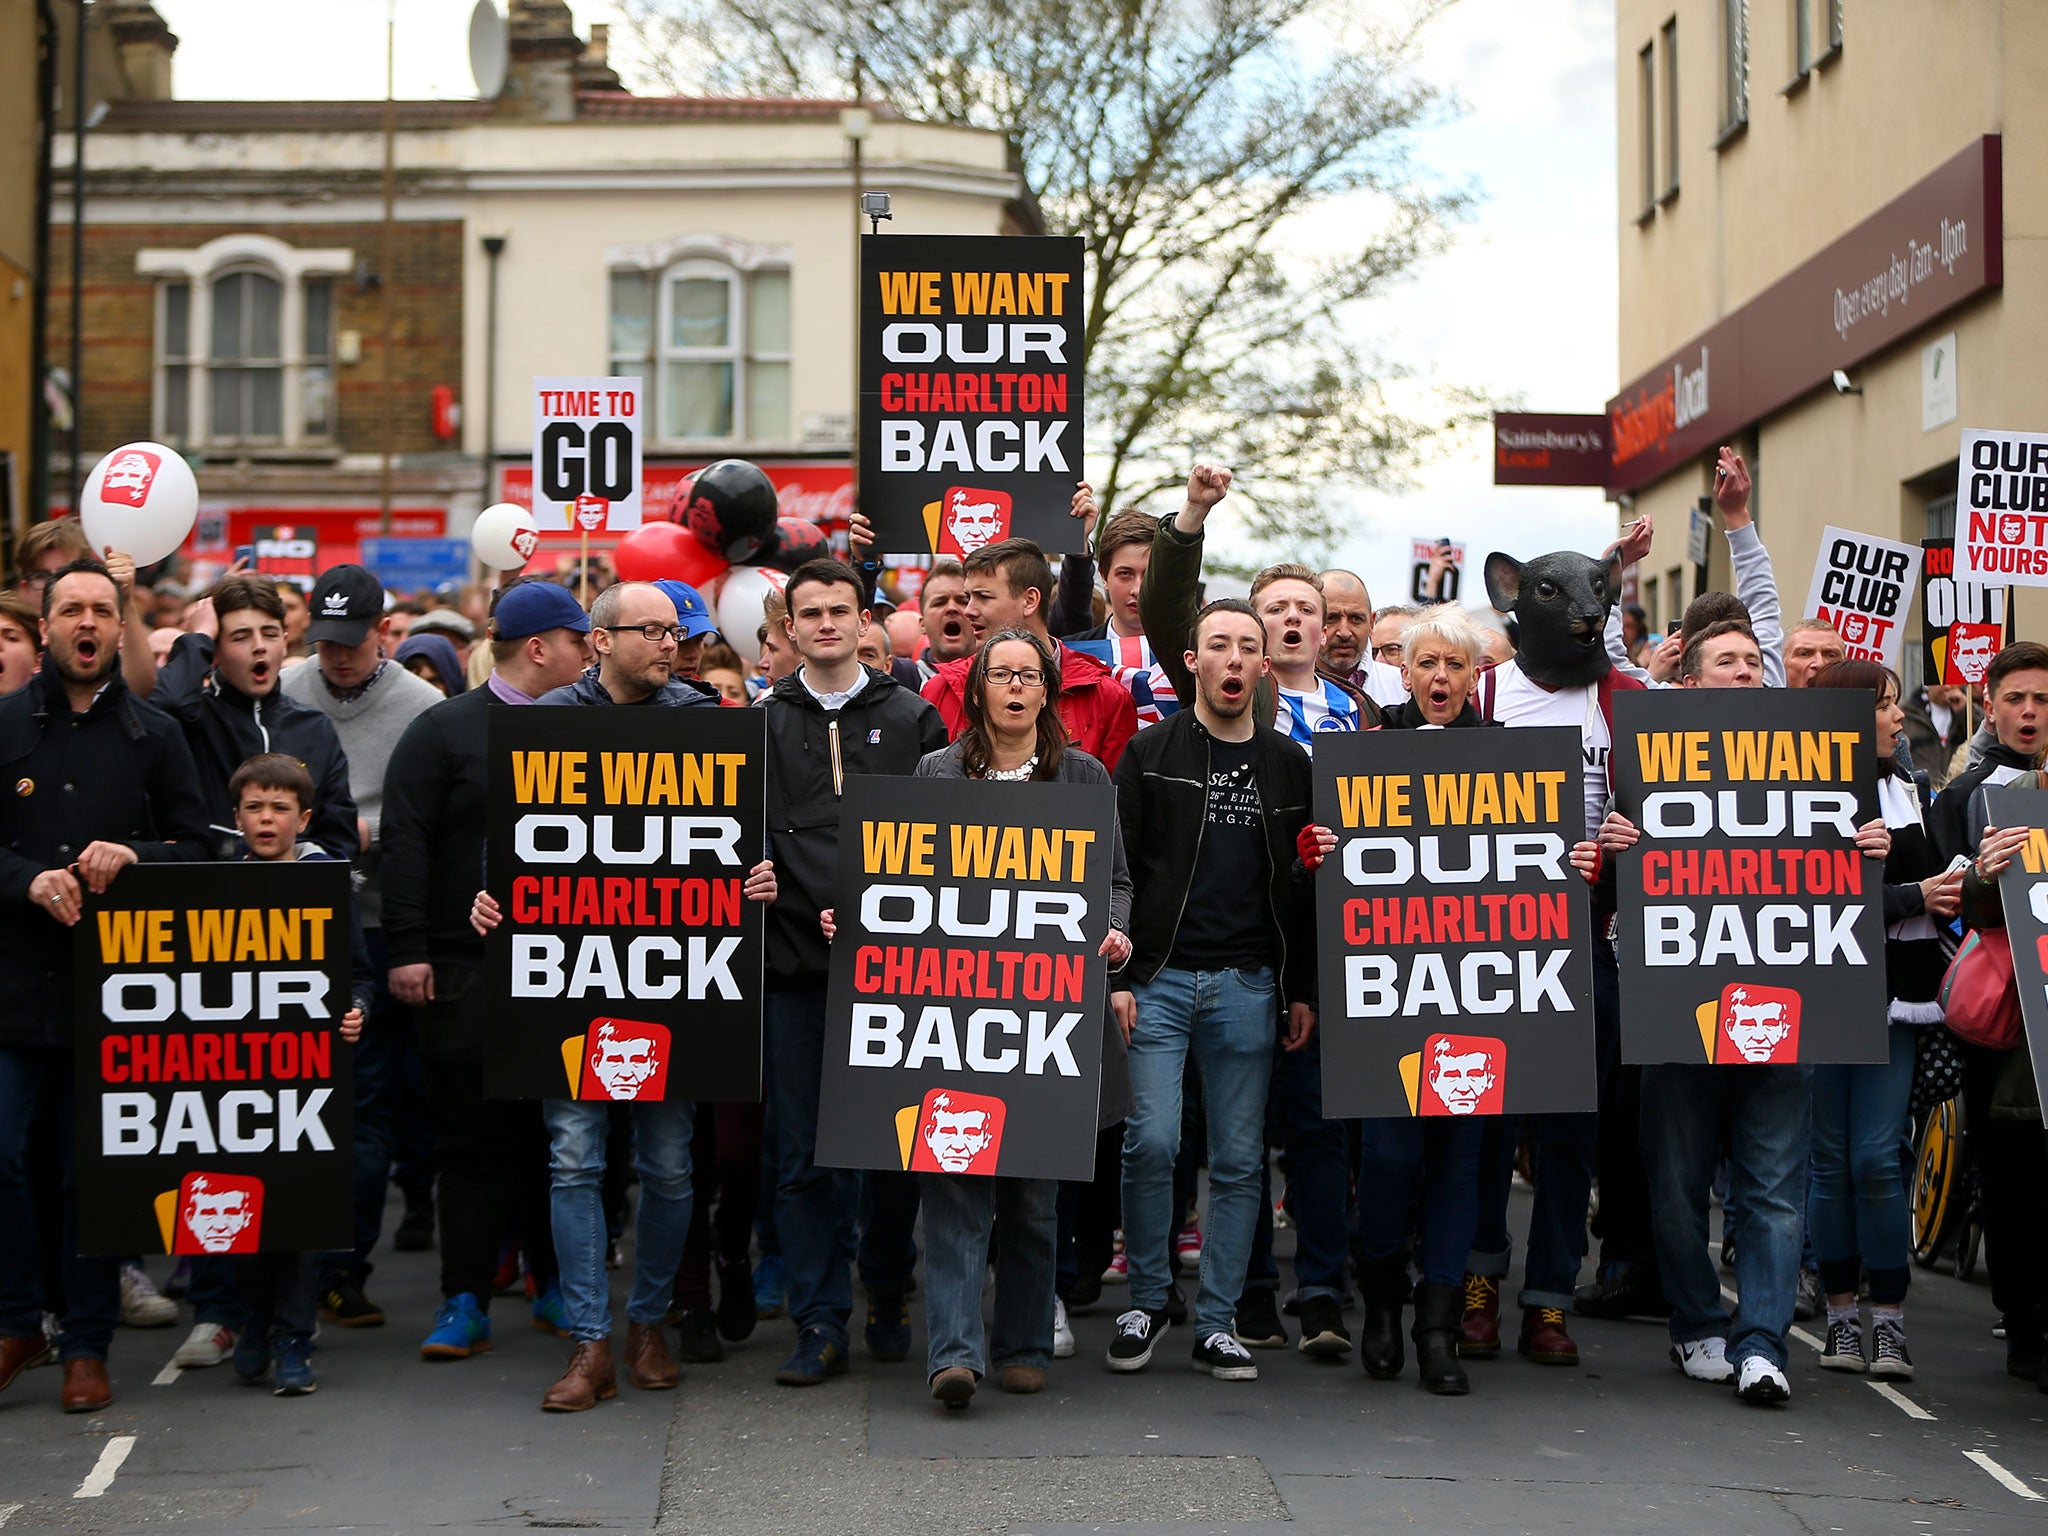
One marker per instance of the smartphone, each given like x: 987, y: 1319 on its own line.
x: 246, y: 554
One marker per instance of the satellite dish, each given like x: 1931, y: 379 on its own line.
x: 487, y: 52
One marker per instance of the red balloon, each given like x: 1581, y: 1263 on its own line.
x: 665, y: 552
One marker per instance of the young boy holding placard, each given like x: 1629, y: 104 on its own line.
x: 272, y: 795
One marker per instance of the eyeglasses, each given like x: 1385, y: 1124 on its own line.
x: 1391, y: 651
x: 35, y: 581
x: 653, y: 634
x: 1030, y: 677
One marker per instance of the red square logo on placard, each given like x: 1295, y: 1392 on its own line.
x: 129, y: 477
x: 1463, y: 1075
x: 590, y: 511
x: 1970, y: 649
x: 971, y: 519
x: 218, y: 1213
x: 958, y: 1133
x: 1757, y: 1025
x: 624, y: 1060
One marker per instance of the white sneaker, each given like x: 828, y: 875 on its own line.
x: 1762, y: 1382
x: 142, y: 1305
x: 1062, y: 1331
x: 207, y: 1344
x: 1704, y: 1360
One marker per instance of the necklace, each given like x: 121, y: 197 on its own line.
x: 1013, y: 775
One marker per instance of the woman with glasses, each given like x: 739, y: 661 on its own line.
x: 1012, y: 735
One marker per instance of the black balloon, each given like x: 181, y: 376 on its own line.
x: 732, y: 509
x: 796, y: 540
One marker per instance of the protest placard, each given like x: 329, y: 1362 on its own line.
x: 213, y: 1088
x: 963, y: 1031
x: 627, y: 964
x: 970, y: 391
x: 1454, y: 934
x: 1423, y: 553
x: 2023, y: 892
x: 1750, y: 928
x: 1863, y: 585
x: 1963, y: 624
x: 2002, y: 509
x: 587, y: 450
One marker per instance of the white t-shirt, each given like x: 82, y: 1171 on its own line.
x: 1381, y: 682
x: 1519, y: 702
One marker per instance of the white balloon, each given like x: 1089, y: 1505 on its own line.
x: 739, y: 606
x: 504, y: 536
x: 142, y: 499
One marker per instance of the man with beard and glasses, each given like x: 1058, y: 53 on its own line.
x: 99, y: 780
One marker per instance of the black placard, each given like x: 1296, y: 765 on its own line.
x: 214, y: 1092
x: 627, y: 964
x: 2023, y: 891
x: 963, y: 1032
x: 970, y: 390
x: 1750, y: 926
x: 1454, y: 934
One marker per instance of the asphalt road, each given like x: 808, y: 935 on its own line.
x: 1622, y: 1444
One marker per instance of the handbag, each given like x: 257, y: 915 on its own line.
x: 1937, y: 1070
x: 1980, y: 999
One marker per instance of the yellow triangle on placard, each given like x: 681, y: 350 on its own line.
x: 1938, y: 645
x: 906, y: 1132
x: 1707, y: 1013
x: 1411, y: 1077
x: 166, y: 1212
x: 572, y: 1062
x: 931, y: 535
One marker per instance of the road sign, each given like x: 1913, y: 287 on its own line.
x: 408, y: 564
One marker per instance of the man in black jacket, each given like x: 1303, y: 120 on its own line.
x: 828, y: 720
x: 221, y: 685
x: 100, y: 781
x: 490, y: 1155
x: 1213, y: 805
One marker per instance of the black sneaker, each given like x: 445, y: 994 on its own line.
x: 1258, y: 1323
x: 1323, y: 1333
x: 1888, y: 1355
x: 1221, y: 1356
x: 1137, y: 1331
x: 1622, y: 1290
x: 888, y: 1330
x: 343, y: 1302
x: 697, y: 1338
x: 415, y: 1232
x: 1844, y: 1348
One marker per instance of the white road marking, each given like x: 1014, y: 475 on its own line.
x: 2012, y: 1483
x: 170, y: 1373
x: 7, y: 1512
x: 101, y: 1477
x: 1899, y: 1400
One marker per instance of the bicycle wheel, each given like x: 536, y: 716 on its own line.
x: 1937, y: 1167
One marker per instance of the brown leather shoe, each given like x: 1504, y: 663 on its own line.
x: 954, y: 1386
x: 588, y: 1378
x: 85, y: 1386
x: 1544, y: 1339
x: 649, y: 1365
x: 1023, y: 1378
x: 17, y: 1353
x: 1479, y: 1328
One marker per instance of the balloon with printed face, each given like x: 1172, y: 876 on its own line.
x: 504, y: 536
x: 141, y: 499
x: 796, y: 540
x: 731, y: 506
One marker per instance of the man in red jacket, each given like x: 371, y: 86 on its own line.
x: 1009, y: 586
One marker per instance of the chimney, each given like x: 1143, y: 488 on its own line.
x: 141, y: 44
x: 544, y: 49
x: 594, y: 71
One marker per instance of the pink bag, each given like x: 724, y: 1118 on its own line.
x: 1980, y: 999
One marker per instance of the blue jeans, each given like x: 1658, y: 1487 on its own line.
x: 35, y: 1082
x: 1765, y: 1115
x: 216, y: 1293
x: 1318, y: 1182
x: 1856, y: 1211
x: 814, y: 1207
x: 1445, y: 1152
x: 576, y: 1163
x: 1567, y: 1147
x: 959, y: 1212
x: 1228, y: 1021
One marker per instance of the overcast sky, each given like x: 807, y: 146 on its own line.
x: 1524, y: 307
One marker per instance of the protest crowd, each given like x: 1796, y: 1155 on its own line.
x: 254, y: 724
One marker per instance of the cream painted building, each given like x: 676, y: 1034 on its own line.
x: 1809, y: 186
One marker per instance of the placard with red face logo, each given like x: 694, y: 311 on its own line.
x: 954, y: 1132
x: 971, y: 374
x: 2023, y: 887
x: 1970, y: 649
x: 2002, y: 509
x: 1863, y: 585
x: 1952, y: 609
x: 587, y: 451
x: 624, y: 1060
x: 214, y: 1214
x: 1462, y: 1075
x: 1752, y: 1024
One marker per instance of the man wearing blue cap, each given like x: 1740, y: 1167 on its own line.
x: 490, y: 1155
x: 693, y: 617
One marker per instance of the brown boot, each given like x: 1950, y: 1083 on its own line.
x: 588, y: 1378
x: 17, y: 1353
x: 649, y: 1365
x: 85, y: 1386
x: 954, y: 1386
x: 1023, y: 1378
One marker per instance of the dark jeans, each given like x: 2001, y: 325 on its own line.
x: 2011, y: 1158
x: 725, y: 1161
x: 814, y: 1207
x: 1318, y: 1182
x: 888, y: 1229
x: 1445, y: 1152
x: 216, y: 1293
x: 1623, y: 1222
x: 277, y: 1293
x: 37, y: 1079
x: 491, y: 1154
x: 1090, y: 1213
x: 376, y: 1066
x: 1567, y: 1149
